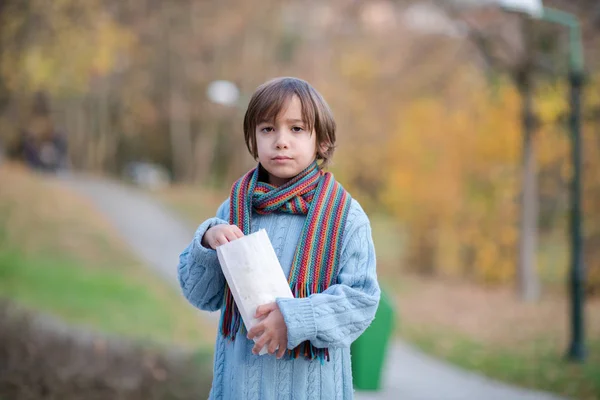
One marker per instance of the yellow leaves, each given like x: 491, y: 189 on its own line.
x: 37, y: 68
x: 357, y: 66
x: 592, y: 93
x: 70, y: 44
x: 111, y: 41
x: 452, y: 180
x: 453, y: 176
x: 551, y: 102
x: 12, y: 23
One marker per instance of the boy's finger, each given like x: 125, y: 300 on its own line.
x: 231, y: 236
x: 260, y: 343
x: 256, y: 331
x: 256, y: 349
x: 281, y: 350
x: 272, y: 347
x: 220, y: 240
x: 237, y: 231
x: 264, y: 309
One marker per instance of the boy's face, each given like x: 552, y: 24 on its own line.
x: 284, y: 146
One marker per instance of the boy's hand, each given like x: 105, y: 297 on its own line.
x: 272, y: 330
x: 221, y: 234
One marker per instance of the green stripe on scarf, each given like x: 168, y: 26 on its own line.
x: 315, y: 265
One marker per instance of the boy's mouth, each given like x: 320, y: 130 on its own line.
x: 281, y: 158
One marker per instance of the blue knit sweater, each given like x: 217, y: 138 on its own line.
x: 333, y: 319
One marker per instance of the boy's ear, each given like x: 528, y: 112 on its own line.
x: 323, y: 148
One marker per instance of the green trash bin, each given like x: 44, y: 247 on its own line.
x: 369, y: 350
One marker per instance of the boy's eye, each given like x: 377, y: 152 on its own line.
x: 267, y: 129
x: 297, y: 129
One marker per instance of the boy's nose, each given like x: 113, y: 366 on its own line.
x: 282, y: 142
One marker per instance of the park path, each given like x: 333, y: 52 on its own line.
x: 157, y: 236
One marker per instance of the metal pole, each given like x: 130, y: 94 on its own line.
x: 577, y: 350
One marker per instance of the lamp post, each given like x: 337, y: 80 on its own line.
x: 535, y: 9
x: 576, y: 351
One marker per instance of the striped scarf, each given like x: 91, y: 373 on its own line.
x: 316, y: 261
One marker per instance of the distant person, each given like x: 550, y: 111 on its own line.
x: 48, y: 153
x: 41, y: 146
x: 322, y: 239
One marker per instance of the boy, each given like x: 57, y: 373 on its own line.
x: 322, y: 239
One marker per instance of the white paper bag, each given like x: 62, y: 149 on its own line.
x: 253, y: 274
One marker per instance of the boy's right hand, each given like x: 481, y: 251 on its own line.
x: 221, y: 234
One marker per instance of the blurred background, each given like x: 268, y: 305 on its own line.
x: 454, y: 134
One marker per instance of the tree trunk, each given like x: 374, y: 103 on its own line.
x: 529, y: 285
x: 108, y: 155
x: 181, y: 135
x: 204, y: 151
x: 180, y: 124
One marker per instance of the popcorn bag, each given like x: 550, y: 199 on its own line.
x: 253, y: 274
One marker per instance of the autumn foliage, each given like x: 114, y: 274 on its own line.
x: 427, y: 134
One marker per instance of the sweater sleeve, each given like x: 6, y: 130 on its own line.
x: 199, y: 271
x: 340, y: 314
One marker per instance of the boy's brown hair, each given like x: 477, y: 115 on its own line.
x: 268, y: 101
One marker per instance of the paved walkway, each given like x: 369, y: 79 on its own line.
x: 154, y: 233
x: 412, y: 375
x: 158, y: 236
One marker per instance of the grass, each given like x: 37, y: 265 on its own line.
x: 539, y: 364
x: 487, y: 329
x: 59, y: 256
x: 194, y: 204
x: 484, y: 329
x: 99, y: 299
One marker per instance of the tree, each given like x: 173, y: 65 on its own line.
x: 507, y: 47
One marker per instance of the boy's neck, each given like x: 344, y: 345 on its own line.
x: 263, y: 175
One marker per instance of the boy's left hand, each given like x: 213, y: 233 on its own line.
x: 272, y: 330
